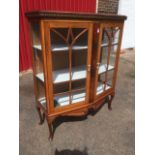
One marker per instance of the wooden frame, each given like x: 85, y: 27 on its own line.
x: 67, y: 24
x: 101, y: 29
x: 94, y: 25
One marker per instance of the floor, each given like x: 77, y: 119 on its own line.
x: 105, y: 133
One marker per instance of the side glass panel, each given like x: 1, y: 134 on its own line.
x: 69, y: 58
x: 107, y: 59
x: 38, y: 64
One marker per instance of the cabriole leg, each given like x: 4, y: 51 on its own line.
x: 50, y: 127
x: 110, y: 101
x: 41, y: 117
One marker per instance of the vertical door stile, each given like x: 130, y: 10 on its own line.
x: 98, y: 57
x: 89, y: 55
x: 70, y: 67
x: 70, y: 71
x: 49, y: 67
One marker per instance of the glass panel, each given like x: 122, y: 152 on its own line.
x: 69, y: 57
x: 35, y: 33
x: 115, y: 37
x: 107, y: 59
x: 37, y: 48
x: 101, y: 86
x: 61, y: 91
x: 41, y: 93
x: 79, y: 60
x: 59, y: 39
x: 38, y: 63
x: 112, y: 60
x: 81, y: 41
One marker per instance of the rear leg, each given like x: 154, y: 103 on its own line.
x: 110, y: 102
x: 41, y: 116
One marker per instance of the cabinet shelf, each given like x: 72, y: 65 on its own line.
x: 100, y: 88
x: 63, y: 47
x: 63, y: 100
x: 60, y: 76
x: 102, y: 68
x: 67, y: 92
x: 76, y: 97
x: 63, y: 75
x: 107, y: 44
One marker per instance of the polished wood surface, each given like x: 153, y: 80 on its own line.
x: 71, y: 15
x: 92, y: 24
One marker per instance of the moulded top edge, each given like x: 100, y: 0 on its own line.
x: 71, y: 15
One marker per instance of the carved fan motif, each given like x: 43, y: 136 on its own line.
x: 70, y: 39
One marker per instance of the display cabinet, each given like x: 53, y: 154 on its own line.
x: 75, y: 62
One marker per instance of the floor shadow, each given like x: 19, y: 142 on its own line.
x: 104, y: 103
x: 62, y: 119
x: 71, y: 152
x: 92, y: 112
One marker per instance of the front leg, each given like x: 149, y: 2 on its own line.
x: 50, y: 127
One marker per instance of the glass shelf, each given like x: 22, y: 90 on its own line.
x: 63, y: 47
x: 42, y: 100
x: 102, y: 68
x: 64, y: 76
x: 63, y: 100
x: 106, y: 44
x: 78, y: 73
x: 37, y: 47
x: 100, y: 88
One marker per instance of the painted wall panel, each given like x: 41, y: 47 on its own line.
x: 126, y: 7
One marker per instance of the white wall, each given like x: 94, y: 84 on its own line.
x: 126, y: 7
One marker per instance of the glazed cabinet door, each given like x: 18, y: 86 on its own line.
x: 69, y: 63
x: 107, y: 57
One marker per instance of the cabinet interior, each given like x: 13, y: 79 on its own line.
x: 69, y: 47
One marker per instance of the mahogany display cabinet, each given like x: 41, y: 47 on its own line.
x: 75, y: 62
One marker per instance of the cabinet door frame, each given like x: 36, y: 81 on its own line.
x: 101, y: 31
x: 49, y: 24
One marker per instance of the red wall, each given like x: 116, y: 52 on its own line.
x: 30, y: 5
